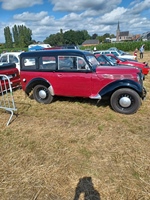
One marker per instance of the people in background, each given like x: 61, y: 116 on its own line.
x: 142, y: 51
x: 135, y: 53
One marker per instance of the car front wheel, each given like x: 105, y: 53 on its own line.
x: 42, y: 95
x: 125, y: 101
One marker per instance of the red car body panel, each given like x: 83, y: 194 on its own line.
x: 143, y: 66
x: 12, y: 72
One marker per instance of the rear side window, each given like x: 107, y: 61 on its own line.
x: 47, y: 63
x: 29, y: 63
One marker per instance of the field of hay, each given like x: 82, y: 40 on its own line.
x: 73, y: 150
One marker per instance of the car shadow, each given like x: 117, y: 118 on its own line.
x: 101, y: 103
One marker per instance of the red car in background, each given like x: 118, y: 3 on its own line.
x: 12, y: 73
x: 143, y: 66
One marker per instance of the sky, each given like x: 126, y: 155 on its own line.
x: 46, y: 17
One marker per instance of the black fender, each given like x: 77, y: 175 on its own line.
x: 34, y: 82
x: 107, y: 91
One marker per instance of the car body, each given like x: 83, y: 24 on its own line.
x: 106, y: 60
x: 143, y: 66
x: 116, y: 49
x: 11, y: 57
x: 77, y: 73
x: 12, y: 73
x: 117, y: 53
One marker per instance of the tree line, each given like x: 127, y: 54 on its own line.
x: 21, y: 36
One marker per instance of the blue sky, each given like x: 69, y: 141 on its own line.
x: 46, y: 17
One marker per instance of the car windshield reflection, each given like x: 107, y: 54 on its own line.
x: 92, y: 61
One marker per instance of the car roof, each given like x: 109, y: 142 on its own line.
x: 11, y: 53
x: 71, y: 52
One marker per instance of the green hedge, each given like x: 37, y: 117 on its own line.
x: 124, y: 46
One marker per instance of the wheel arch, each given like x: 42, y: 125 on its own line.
x: 38, y: 81
x: 108, y: 90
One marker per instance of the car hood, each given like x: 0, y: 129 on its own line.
x: 120, y: 70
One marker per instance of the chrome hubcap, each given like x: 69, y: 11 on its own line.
x: 42, y: 94
x: 125, y: 102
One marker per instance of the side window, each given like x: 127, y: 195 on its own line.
x: 13, y: 59
x: 3, y: 59
x: 47, y: 63
x: 67, y: 63
x: 29, y: 63
x: 81, y: 64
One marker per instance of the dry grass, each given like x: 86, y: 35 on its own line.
x: 72, y: 149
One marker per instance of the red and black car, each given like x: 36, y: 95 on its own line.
x: 143, y: 66
x: 12, y: 73
x: 76, y: 73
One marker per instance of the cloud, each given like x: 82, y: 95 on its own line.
x: 97, y: 16
x: 26, y: 16
x: 13, y: 5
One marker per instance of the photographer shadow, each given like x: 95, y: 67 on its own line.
x: 85, y: 187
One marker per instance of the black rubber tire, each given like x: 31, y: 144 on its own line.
x: 48, y: 98
x: 132, y: 95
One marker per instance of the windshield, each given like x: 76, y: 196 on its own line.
x: 92, y: 60
x: 114, y: 60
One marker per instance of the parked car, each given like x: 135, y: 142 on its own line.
x: 143, y: 66
x: 116, y: 53
x: 12, y: 72
x: 12, y: 57
x: 116, y: 49
x: 76, y: 73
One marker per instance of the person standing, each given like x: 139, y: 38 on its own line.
x: 142, y: 51
x: 135, y: 53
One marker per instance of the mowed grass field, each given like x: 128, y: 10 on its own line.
x: 73, y: 149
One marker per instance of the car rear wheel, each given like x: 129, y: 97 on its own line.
x: 42, y: 95
x: 125, y: 101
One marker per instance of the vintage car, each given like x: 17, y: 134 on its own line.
x: 76, y: 73
x: 12, y: 57
x: 12, y: 73
x: 142, y: 65
x: 119, y: 54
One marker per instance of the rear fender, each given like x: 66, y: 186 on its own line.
x: 107, y: 91
x: 38, y: 81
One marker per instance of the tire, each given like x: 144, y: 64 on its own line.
x: 125, y: 101
x: 42, y: 95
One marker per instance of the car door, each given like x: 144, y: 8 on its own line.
x: 73, y: 80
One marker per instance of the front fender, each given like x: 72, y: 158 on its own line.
x: 36, y: 81
x: 107, y: 91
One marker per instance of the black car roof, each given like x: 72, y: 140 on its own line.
x: 73, y: 52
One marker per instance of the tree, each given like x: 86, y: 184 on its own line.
x: 21, y: 35
x: 69, y: 37
x: 15, y: 35
x: 8, y: 37
x: 94, y: 36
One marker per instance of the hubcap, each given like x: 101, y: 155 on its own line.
x: 42, y: 94
x: 125, y: 102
